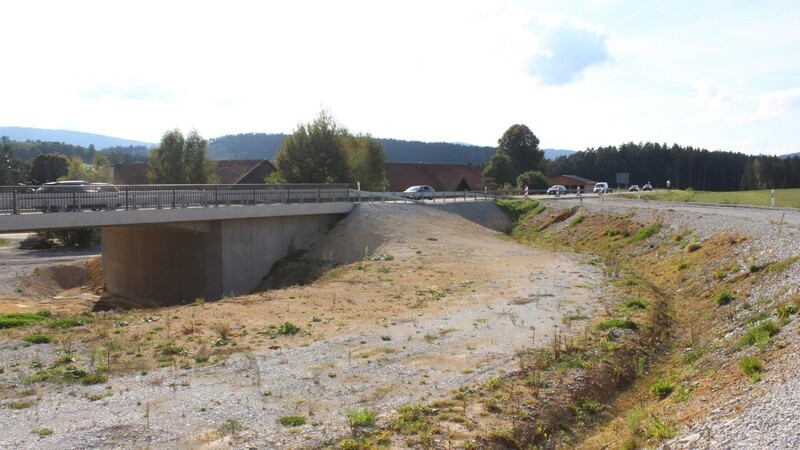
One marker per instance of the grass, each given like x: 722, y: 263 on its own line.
x: 662, y: 388
x: 38, y: 338
x: 14, y: 320
x: 69, y: 322
x: 723, y: 298
x: 292, y: 421
x: 646, y: 232
x: 760, y: 334
x: 617, y: 323
x: 359, y: 418
x: 751, y: 367
x: 516, y: 209
x: 784, y: 198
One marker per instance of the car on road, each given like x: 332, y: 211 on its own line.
x: 557, y: 189
x: 601, y: 187
x: 634, y: 188
x: 72, y: 195
x: 647, y: 187
x: 419, y: 192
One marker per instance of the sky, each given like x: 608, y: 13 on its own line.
x: 714, y: 74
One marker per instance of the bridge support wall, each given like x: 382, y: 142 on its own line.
x: 175, y: 263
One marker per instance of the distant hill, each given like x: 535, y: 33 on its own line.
x: 100, y: 142
x: 790, y: 155
x: 263, y: 145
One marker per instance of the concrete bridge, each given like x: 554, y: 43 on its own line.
x: 174, y: 245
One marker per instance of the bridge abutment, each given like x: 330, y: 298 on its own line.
x: 175, y: 263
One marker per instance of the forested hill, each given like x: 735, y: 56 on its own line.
x: 261, y: 145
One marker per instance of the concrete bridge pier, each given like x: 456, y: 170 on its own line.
x: 175, y: 263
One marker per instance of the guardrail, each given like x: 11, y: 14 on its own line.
x: 22, y: 199
x: 26, y: 199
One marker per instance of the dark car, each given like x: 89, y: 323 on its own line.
x: 557, y: 189
x: 419, y: 192
x: 634, y: 188
x: 647, y: 187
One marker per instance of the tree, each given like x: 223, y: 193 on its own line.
x: 366, y: 161
x: 314, y: 153
x: 10, y: 166
x: 533, y: 179
x: 521, y: 148
x: 500, y: 169
x: 75, y: 170
x: 101, y: 172
x: 179, y: 160
x: 48, y: 167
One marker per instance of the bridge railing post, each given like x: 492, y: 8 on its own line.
x: 14, y: 202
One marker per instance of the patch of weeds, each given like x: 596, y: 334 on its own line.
x: 694, y: 354
x: 646, y: 232
x: 413, y: 419
x: 359, y: 418
x: 288, y: 328
x: 431, y: 239
x: 14, y: 320
x: 659, y: 429
x: 380, y: 257
x: 720, y: 274
x: 751, y: 367
x: 576, y: 220
x: 94, y: 378
x: 617, y: 323
x: 635, y: 304
x: 780, y: 266
x: 170, y: 349
x: 69, y: 322
x: 19, y: 405
x: 723, y: 298
x: 757, y: 318
x: 662, y: 388
x: 585, y: 408
x: 38, y: 338
x: 386, y: 337
x: 42, y: 432
x: 515, y: 209
x: 760, y: 334
x: 292, y: 421
x: 786, y: 310
x: 230, y: 427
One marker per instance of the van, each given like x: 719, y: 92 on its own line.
x: 601, y: 188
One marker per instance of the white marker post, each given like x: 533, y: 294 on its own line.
x: 772, y: 195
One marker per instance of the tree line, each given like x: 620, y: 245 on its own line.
x: 684, y: 167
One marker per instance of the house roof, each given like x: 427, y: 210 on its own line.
x: 228, y: 171
x: 576, y: 179
x: 441, y: 177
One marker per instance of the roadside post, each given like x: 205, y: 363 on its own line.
x: 772, y: 196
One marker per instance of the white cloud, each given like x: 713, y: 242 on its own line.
x: 778, y: 104
x: 566, y: 51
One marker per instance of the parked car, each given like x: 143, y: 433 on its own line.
x: 70, y: 195
x: 557, y: 189
x: 634, y: 188
x: 419, y: 192
x: 601, y: 188
x: 647, y: 187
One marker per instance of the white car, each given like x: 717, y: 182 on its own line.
x: 601, y: 188
x: 419, y: 192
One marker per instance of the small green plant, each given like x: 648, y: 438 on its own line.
x: 42, y: 432
x: 292, y: 421
x: 288, y: 328
x: 751, y: 367
x: 659, y: 429
x: 20, y: 405
x: 723, y: 298
x: 576, y: 220
x: 760, y: 334
x: 694, y: 354
x: 635, y: 304
x: 94, y: 378
x: 38, y: 338
x: 69, y: 322
x: 359, y: 418
x: 584, y: 408
x: 786, y: 310
x: 617, y: 323
x: 413, y: 419
x: 646, y: 232
x: 662, y: 388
